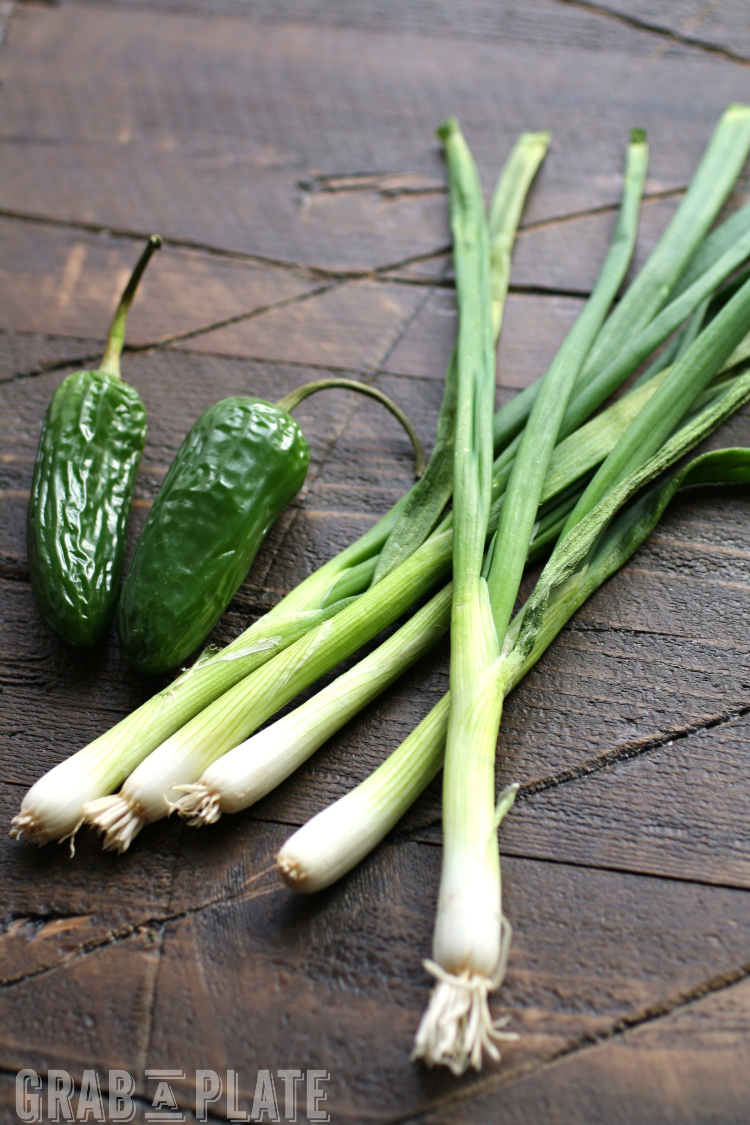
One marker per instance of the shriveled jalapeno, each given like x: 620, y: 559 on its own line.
x: 240, y: 465
x: 91, y: 443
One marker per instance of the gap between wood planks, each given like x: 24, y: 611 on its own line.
x: 653, y: 28
x: 309, y: 270
x: 304, y: 269
x: 330, y: 279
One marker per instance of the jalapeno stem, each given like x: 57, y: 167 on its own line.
x: 116, y: 337
x: 294, y: 398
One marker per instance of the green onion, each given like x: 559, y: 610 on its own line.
x: 429, y: 497
x: 255, y: 767
x: 148, y: 793
x: 713, y: 247
x: 470, y: 930
x: 53, y: 807
x: 471, y: 937
x: 341, y: 835
x: 672, y: 400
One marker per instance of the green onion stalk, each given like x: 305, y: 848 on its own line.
x: 426, y: 502
x: 53, y: 807
x: 471, y: 932
x: 471, y: 938
x: 340, y: 836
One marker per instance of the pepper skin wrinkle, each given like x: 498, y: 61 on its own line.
x: 241, y: 464
x: 90, y: 447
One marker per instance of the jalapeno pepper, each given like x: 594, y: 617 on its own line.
x: 91, y: 443
x: 240, y: 465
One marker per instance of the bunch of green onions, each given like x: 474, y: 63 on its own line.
x: 556, y: 478
x: 235, y: 780
x: 470, y: 947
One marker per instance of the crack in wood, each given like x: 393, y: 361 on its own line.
x: 600, y: 209
x: 627, y: 752
x: 388, y: 185
x: 154, y: 980
x: 639, y: 24
x: 589, y: 767
x: 238, y: 318
x: 585, y: 1042
x: 131, y: 929
x: 306, y: 270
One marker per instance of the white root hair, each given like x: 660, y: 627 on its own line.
x: 199, y: 806
x: 118, y: 818
x: 457, y: 1027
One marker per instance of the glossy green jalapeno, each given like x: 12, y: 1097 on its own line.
x: 90, y: 447
x: 240, y: 465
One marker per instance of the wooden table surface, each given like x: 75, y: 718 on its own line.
x: 286, y: 152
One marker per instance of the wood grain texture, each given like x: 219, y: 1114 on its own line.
x: 537, y: 23
x: 721, y: 27
x: 286, y: 151
x: 374, y: 315
x: 241, y: 119
x: 59, y: 281
x: 688, y: 1067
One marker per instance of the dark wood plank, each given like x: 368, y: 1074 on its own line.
x: 722, y: 26
x: 255, y: 114
x: 566, y: 256
x: 31, y: 353
x: 106, y: 997
x: 688, y: 1067
x: 336, y: 980
x: 57, y: 909
x: 620, y: 817
x: 374, y: 313
x: 539, y: 23
x: 59, y: 281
